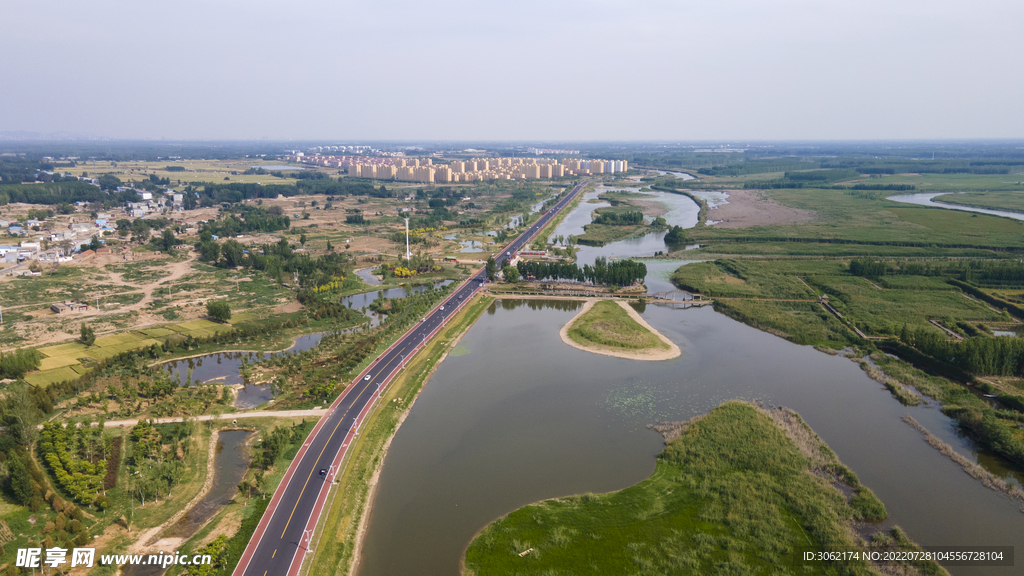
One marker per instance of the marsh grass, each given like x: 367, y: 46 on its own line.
x: 608, y: 324
x: 732, y: 493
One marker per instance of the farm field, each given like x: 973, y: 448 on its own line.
x: 69, y: 361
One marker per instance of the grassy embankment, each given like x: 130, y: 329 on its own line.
x: 880, y: 307
x: 734, y: 493
x: 607, y: 325
x: 548, y: 230
x: 1012, y: 201
x: 338, y: 528
x: 859, y: 222
x: 622, y: 203
x: 238, y: 520
x: 780, y: 296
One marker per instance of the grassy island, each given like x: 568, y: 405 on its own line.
x: 615, y: 329
x: 742, y: 490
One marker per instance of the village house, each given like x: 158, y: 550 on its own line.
x: 69, y: 306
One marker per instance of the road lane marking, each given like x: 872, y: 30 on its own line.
x: 274, y: 554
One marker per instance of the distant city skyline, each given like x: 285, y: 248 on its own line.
x: 569, y: 71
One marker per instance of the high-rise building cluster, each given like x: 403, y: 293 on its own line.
x: 477, y: 169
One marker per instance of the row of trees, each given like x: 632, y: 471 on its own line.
x: 617, y: 272
x: 619, y: 218
x: 977, y: 355
x: 79, y: 474
x: 985, y: 272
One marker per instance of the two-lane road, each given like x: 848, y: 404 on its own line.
x: 286, y: 527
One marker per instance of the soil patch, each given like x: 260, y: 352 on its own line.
x: 747, y: 208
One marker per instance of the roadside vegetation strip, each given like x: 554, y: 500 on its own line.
x: 990, y: 480
x: 340, y: 528
x: 613, y: 328
x: 738, y: 491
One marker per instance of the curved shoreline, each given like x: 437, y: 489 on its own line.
x: 631, y: 354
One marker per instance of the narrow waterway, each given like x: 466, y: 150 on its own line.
x: 229, y: 467
x: 925, y: 199
x: 523, y: 417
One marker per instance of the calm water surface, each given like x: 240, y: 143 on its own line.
x: 925, y: 199
x: 524, y: 417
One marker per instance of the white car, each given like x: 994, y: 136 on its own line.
x: 442, y: 308
x: 367, y: 378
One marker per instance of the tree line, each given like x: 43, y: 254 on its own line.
x: 617, y: 272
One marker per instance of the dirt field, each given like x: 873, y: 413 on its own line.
x: 747, y: 208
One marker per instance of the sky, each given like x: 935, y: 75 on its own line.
x: 558, y: 70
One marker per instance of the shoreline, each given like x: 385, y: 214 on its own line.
x: 652, y: 355
x: 363, y: 514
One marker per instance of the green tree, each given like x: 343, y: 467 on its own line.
x: 167, y: 241
x: 491, y: 268
x: 21, y: 481
x: 218, y: 310
x: 676, y: 235
x: 330, y: 247
x: 302, y: 240
x: 232, y: 252
x: 511, y: 273
x: 87, y: 336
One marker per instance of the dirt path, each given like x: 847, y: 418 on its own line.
x: 225, y: 417
x: 177, y: 270
x: 648, y: 354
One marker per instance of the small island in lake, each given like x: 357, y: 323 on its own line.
x: 615, y: 329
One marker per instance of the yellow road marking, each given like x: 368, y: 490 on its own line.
x: 303, y: 491
x: 274, y: 554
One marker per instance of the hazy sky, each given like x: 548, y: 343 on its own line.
x: 523, y: 70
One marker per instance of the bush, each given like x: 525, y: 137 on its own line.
x: 218, y: 310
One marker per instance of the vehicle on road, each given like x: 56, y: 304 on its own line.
x: 442, y: 308
x: 323, y: 472
x: 367, y: 378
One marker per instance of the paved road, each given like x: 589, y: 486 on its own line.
x: 281, y: 539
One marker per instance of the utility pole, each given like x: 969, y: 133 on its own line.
x: 408, y: 255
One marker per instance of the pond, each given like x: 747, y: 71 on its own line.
x: 225, y: 367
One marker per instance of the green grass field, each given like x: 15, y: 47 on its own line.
x: 608, y: 324
x: 1012, y: 200
x: 902, y: 300
x: 854, y: 222
x: 732, y: 495
x: 63, y: 361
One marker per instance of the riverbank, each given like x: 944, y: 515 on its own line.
x: 763, y: 473
x: 340, y: 529
x: 646, y: 342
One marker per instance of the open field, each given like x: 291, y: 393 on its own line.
x: 732, y: 494
x: 848, y: 221
x: 70, y: 360
x: 878, y: 310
